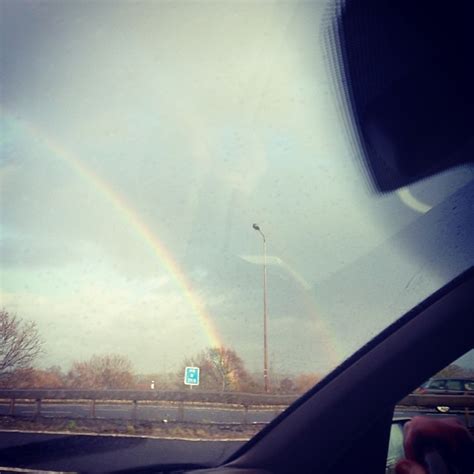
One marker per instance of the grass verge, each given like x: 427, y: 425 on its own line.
x: 140, y: 428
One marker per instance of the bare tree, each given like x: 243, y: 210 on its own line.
x: 221, y: 369
x: 51, y: 377
x: 102, y: 372
x: 20, y: 344
x: 454, y: 370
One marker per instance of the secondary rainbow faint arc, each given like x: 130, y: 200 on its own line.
x: 126, y: 210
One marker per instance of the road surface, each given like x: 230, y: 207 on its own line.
x: 197, y: 414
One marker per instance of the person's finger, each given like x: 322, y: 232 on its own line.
x: 448, y: 437
x: 407, y: 466
x: 426, y: 432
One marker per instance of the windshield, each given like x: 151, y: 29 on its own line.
x: 179, y: 190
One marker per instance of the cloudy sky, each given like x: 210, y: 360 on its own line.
x: 141, y: 141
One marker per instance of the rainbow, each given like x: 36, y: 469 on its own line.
x: 132, y: 218
x: 159, y: 250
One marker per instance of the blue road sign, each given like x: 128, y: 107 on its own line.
x: 191, y: 375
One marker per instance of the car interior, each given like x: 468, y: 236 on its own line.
x: 316, y: 435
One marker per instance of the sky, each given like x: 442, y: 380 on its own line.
x: 141, y: 141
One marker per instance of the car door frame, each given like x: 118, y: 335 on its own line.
x: 344, y: 421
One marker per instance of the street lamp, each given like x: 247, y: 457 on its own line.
x: 265, y: 348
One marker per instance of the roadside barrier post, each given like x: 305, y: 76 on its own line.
x: 246, y: 412
x: 92, y: 411
x: 134, y: 410
x: 38, y: 407
x: 181, y: 412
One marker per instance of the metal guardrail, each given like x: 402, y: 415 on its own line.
x: 197, y: 398
x: 238, y: 398
x: 181, y: 398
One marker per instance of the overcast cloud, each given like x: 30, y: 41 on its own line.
x: 202, y: 119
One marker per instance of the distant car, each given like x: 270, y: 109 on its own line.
x: 447, y: 386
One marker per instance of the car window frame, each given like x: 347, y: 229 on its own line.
x: 445, y: 316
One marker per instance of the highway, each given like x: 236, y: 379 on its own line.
x: 161, y: 412
x: 147, y: 412
x: 196, y: 414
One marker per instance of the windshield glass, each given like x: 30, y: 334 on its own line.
x: 179, y: 190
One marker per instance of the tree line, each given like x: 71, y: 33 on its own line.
x: 221, y: 368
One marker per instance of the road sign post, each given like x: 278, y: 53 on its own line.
x: 191, y: 376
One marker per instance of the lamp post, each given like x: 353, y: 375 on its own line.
x: 265, y: 347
